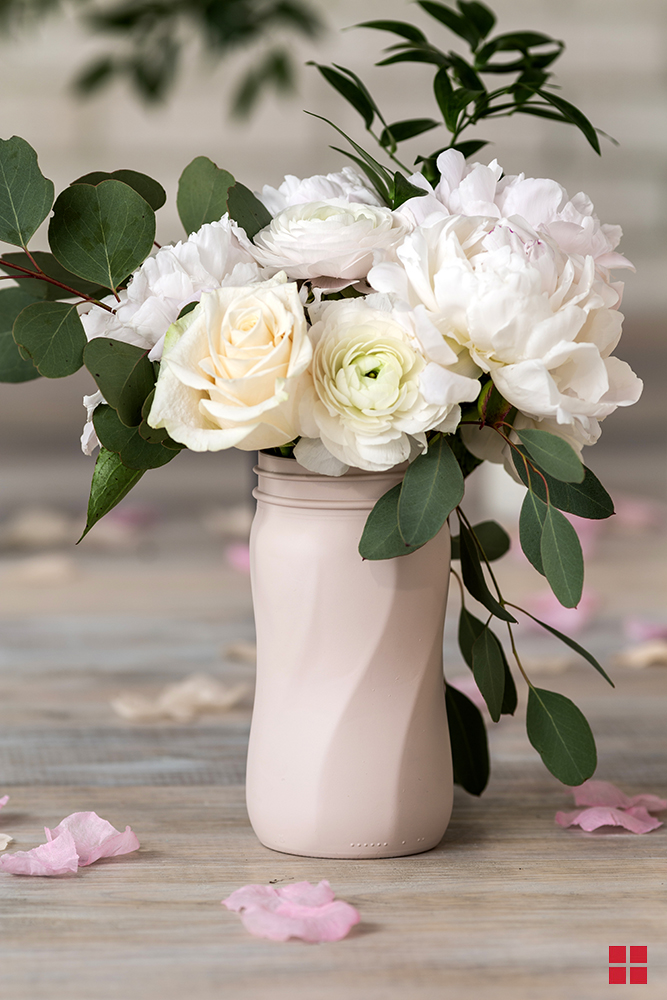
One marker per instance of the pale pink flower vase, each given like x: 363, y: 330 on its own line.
x: 349, y: 752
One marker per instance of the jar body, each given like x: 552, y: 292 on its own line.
x: 349, y: 753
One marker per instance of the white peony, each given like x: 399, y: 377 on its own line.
x: 332, y: 238
x: 373, y: 394
x: 348, y: 184
x: 214, y: 256
x: 479, y: 190
x: 541, y: 322
x: 230, y: 371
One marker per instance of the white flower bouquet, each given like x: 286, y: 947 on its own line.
x: 363, y: 319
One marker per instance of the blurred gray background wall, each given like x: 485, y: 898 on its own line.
x: 614, y: 68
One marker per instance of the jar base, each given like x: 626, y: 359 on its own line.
x: 359, y: 852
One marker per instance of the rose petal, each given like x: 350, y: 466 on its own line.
x: 643, y: 629
x: 94, y: 837
x: 603, y: 793
x: 238, y: 557
x: 5, y: 839
x: 636, y: 819
x: 57, y: 857
x: 4, y: 800
x: 298, y: 909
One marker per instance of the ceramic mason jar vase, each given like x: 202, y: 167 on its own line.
x: 349, y: 752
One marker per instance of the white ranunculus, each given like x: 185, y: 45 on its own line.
x: 216, y: 255
x: 332, y: 238
x: 479, y: 190
x: 541, y: 322
x: 348, y: 184
x: 371, y: 399
x: 231, y: 369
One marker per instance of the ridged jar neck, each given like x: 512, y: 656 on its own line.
x: 284, y: 482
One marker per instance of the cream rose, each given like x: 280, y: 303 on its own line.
x: 231, y: 368
x: 371, y: 398
x: 334, y: 239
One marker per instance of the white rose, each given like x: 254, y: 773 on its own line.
x: 332, y: 238
x: 348, y: 184
x: 230, y: 372
x: 542, y: 323
x: 214, y: 256
x: 368, y: 406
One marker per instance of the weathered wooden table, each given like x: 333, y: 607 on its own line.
x: 508, y: 906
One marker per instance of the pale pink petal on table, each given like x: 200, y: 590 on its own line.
x: 4, y: 800
x: 643, y: 629
x: 637, y: 514
x: 94, y: 837
x: 238, y: 556
x: 298, y: 909
x: 636, y: 819
x: 604, y: 793
x: 57, y: 857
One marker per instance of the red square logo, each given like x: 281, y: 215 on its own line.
x: 617, y: 974
x: 617, y: 954
x: 638, y: 975
x: 638, y: 953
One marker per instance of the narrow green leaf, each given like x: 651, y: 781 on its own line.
x: 516, y: 41
x: 561, y: 735
x: 149, y: 189
x: 432, y: 487
x: 403, y: 190
x: 453, y: 105
x: 13, y: 367
x: 573, y: 645
x: 111, y: 482
x: 381, y: 538
x: 461, y: 26
x: 473, y: 577
x: 553, y: 454
x: 40, y: 289
x: 586, y: 499
x: 416, y: 55
x: 247, y: 210
x: 488, y: 667
x: 465, y: 74
x: 469, y: 629
x: 26, y: 196
x: 134, y: 451
x: 576, y: 116
x: 124, y: 376
x: 562, y: 558
x: 531, y: 525
x: 467, y: 734
x: 363, y: 88
x: 408, y: 31
x: 101, y: 233
x: 372, y: 175
x: 202, y: 193
x: 470, y: 146
x: 349, y: 90
x: 480, y: 15
x: 400, y: 131
x: 53, y: 335
x: 366, y: 157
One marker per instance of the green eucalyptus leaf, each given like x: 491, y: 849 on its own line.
x: 381, y: 538
x: 202, y: 193
x: 408, y: 31
x: 134, y: 451
x: 469, y: 629
x: 473, y: 577
x: 247, y: 210
x: 111, y: 482
x: 149, y: 189
x: 562, y: 558
x: 561, y: 735
x: 123, y: 374
x: 467, y: 733
x: 492, y: 539
x: 467, y: 461
x: 13, y: 367
x: 432, y: 488
x: 155, y: 435
x: 41, y: 289
x: 26, y: 196
x: 349, y: 90
x: 488, y: 667
x: 586, y: 499
x: 553, y: 454
x: 101, y: 233
x: 53, y: 335
x: 531, y: 525
x: 573, y: 645
x: 510, y: 699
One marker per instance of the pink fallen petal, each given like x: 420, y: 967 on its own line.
x: 94, y: 837
x: 637, y: 515
x: 299, y: 910
x: 4, y: 800
x: 636, y: 819
x: 238, y: 556
x: 643, y: 629
x: 603, y: 793
x: 57, y: 857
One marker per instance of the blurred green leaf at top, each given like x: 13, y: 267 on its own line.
x: 150, y: 40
